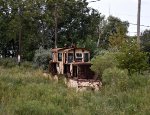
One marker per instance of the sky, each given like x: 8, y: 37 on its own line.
x: 126, y: 10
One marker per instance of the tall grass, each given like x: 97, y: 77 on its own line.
x: 25, y: 91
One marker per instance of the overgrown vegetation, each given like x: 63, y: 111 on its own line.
x: 128, y: 57
x: 34, y: 22
x: 132, y: 58
x: 122, y: 66
x: 12, y: 62
x: 8, y: 62
x: 26, y: 91
x: 102, y: 62
x: 42, y: 58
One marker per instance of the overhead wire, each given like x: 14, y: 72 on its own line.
x: 140, y: 25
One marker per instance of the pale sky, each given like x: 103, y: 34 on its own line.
x: 126, y: 10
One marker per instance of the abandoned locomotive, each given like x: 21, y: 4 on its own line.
x: 75, y: 64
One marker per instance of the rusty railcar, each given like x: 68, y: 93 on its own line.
x: 75, y: 64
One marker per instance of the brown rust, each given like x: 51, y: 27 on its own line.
x: 74, y: 63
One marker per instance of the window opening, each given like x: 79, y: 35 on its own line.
x: 59, y: 56
x: 70, y: 57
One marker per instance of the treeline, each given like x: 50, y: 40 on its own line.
x: 36, y: 23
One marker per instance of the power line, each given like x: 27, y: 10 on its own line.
x: 140, y: 25
x: 132, y: 32
x: 125, y: 14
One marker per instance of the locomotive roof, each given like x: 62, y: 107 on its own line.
x: 66, y: 49
x: 57, y: 49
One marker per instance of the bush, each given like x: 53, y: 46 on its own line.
x: 8, y: 62
x: 102, y: 62
x: 131, y: 58
x: 42, y: 58
x: 116, y: 77
x: 139, y: 81
x: 27, y: 64
x: 119, y: 80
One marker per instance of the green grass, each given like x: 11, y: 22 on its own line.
x: 25, y: 91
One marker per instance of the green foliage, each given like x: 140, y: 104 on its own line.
x: 131, y: 58
x: 138, y: 81
x: 116, y: 78
x: 102, y: 62
x: 117, y: 38
x: 8, y: 62
x: 42, y: 58
x: 12, y: 62
x: 145, y: 40
x: 88, y: 44
x: 26, y: 64
x: 113, y: 32
x: 25, y: 92
x: 34, y: 22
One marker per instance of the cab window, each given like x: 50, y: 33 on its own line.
x: 59, y: 56
x: 70, y: 57
x: 86, y: 57
x: 78, y: 56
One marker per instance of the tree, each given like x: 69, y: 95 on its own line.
x: 90, y: 44
x: 145, y: 41
x: 132, y: 58
x: 78, y: 22
x: 22, y: 21
x: 118, y: 38
x: 102, y: 62
x: 33, y: 22
x: 114, y: 32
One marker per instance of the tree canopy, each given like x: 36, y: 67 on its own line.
x: 113, y: 32
x: 145, y: 40
x: 33, y: 21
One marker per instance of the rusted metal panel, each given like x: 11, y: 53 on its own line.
x: 82, y: 84
x: 81, y: 63
x: 75, y: 64
x: 57, y: 49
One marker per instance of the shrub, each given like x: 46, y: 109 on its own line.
x: 42, y: 57
x: 138, y: 81
x: 132, y: 59
x: 27, y: 64
x: 102, y: 62
x: 8, y: 62
x: 116, y: 77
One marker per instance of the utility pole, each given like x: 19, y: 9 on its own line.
x: 20, y: 37
x: 138, y: 23
x: 19, y: 54
x: 99, y: 32
x: 99, y: 27
x: 56, y: 24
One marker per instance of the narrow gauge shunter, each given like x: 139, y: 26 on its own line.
x: 75, y: 64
